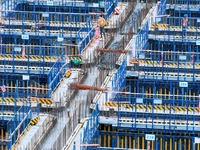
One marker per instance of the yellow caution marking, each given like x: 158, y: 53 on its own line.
x: 34, y: 121
x: 123, y: 105
x: 45, y: 57
x: 156, y: 107
x: 9, y: 56
x: 76, y: 58
x: 108, y: 104
x: 165, y: 26
x: 149, y: 107
x: 32, y: 57
x: 68, y: 73
x: 129, y: 106
x: 137, y: 107
x: 143, y: 107
x: 159, y: 26
x: 49, y: 58
x: 45, y: 101
x: 161, y: 107
x: 115, y: 104
x: 20, y: 100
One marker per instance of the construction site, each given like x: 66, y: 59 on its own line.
x: 64, y: 87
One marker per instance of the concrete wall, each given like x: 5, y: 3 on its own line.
x: 36, y: 133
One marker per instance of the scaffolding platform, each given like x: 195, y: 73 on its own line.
x: 169, y: 28
x: 147, y: 123
x: 156, y: 94
x: 192, y: 8
x: 34, y: 133
x: 171, y: 38
x: 106, y: 6
x: 13, y: 122
x: 157, y: 108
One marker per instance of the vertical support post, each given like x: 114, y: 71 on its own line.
x: 106, y: 95
x: 74, y: 147
x: 2, y: 108
x: 118, y: 141
x: 142, y: 142
x: 122, y: 141
x: 109, y: 138
x: 193, y: 146
x: 170, y: 143
x: 38, y: 108
x: 166, y: 144
x: 18, y: 132
x: 182, y: 96
x: 7, y: 139
x: 134, y: 143
x: 143, y: 92
x: 199, y: 104
x: 188, y: 144
x: 2, y: 138
x: 129, y: 142
x: 175, y: 145
x: 138, y: 142
x: 105, y: 137
x: 129, y: 96
x: 30, y: 108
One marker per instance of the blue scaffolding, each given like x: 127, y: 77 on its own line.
x: 40, y: 53
x: 85, y: 6
x: 119, y: 79
x: 162, y: 87
x: 89, y: 134
x: 161, y: 97
x: 181, y: 7
x: 35, y: 39
x: 14, y: 120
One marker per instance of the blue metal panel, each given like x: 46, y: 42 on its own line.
x: 90, y: 131
x: 161, y: 7
x: 20, y: 120
x: 142, y: 38
x: 105, y: 6
x: 119, y: 79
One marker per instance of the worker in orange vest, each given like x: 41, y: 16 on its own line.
x: 184, y: 24
x: 101, y: 24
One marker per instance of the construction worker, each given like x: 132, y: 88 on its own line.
x: 101, y: 24
x: 96, y: 33
x: 184, y: 24
x: 68, y: 112
x: 99, y: 67
x: 38, y: 25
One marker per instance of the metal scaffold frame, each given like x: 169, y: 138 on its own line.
x: 46, y: 54
x: 137, y: 140
x: 14, y: 124
x: 69, y: 28
x: 40, y: 83
x: 161, y: 95
x: 183, y: 2
x: 37, y: 41
x: 73, y: 6
x: 89, y: 134
x: 173, y: 29
x: 119, y: 79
